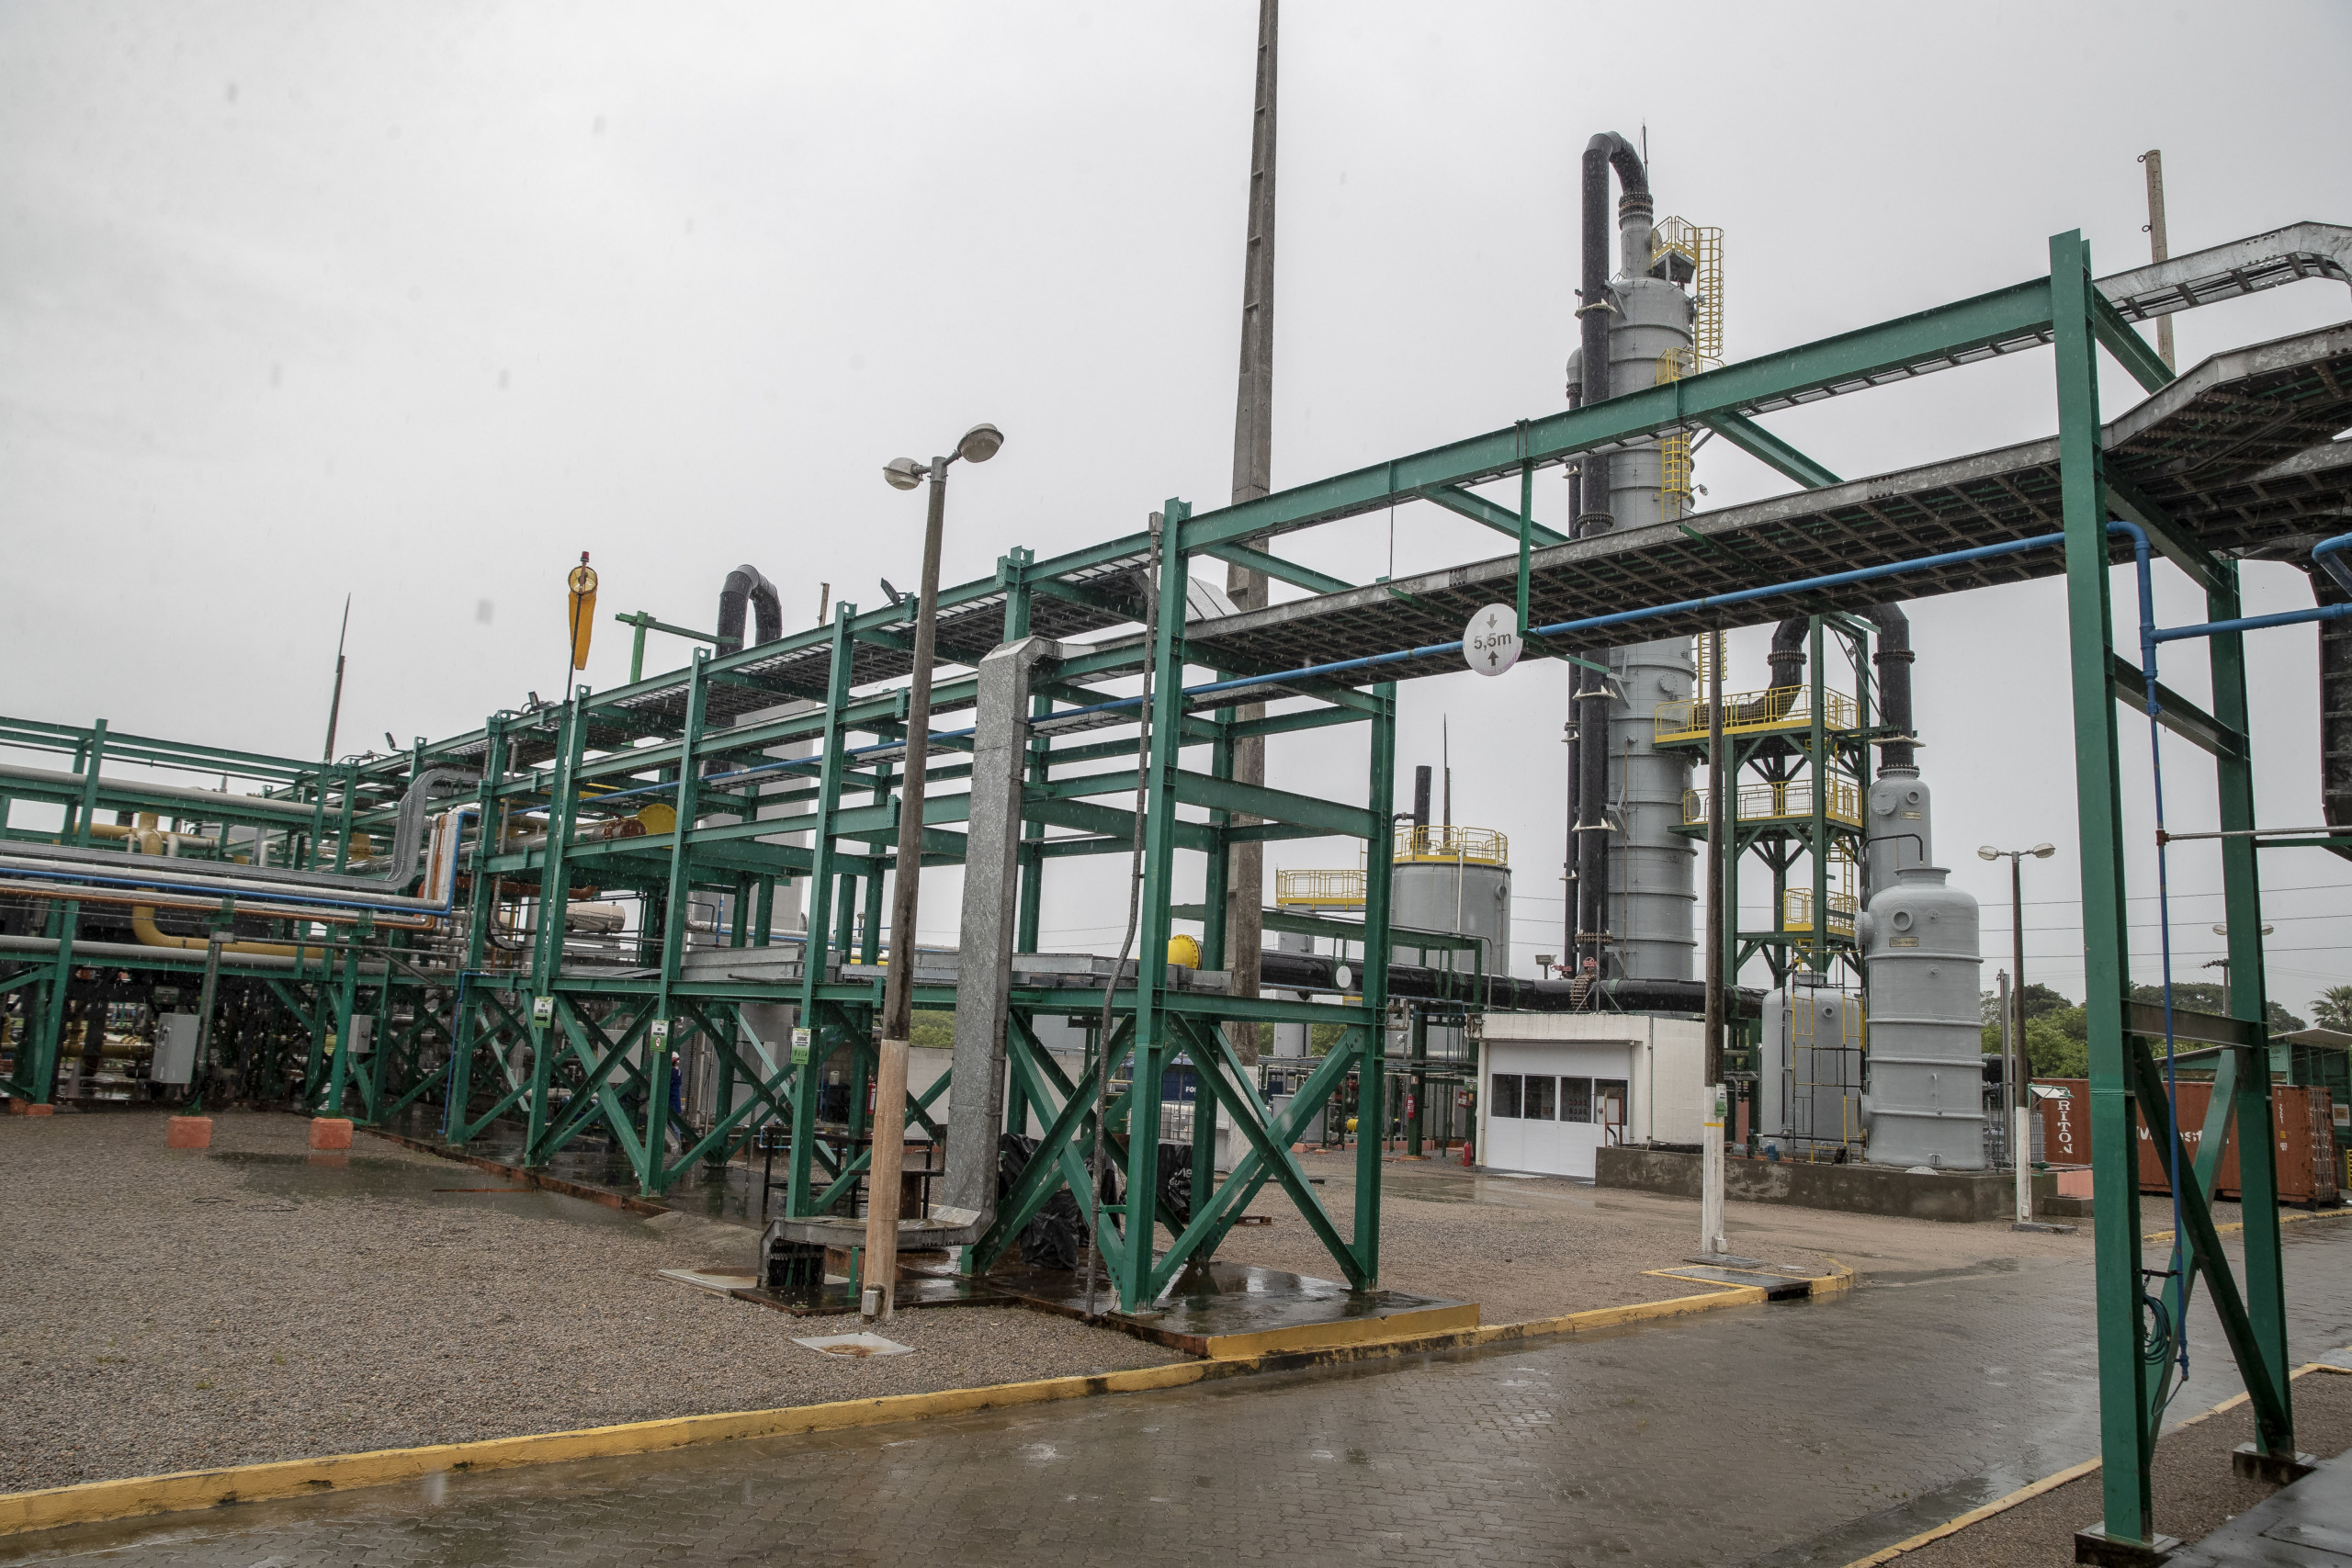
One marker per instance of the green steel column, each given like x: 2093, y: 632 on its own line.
x: 482, y: 907
x: 869, y: 942
x: 2125, y: 1441
x: 347, y: 996
x: 832, y: 765
x: 2265, y: 1290
x: 1418, y: 1049
x: 661, y: 1039
x: 1379, y: 862
x: 64, y: 915
x: 555, y: 893
x: 350, y: 772
x: 1133, y: 1273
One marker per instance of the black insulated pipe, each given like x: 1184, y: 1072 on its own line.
x: 1309, y: 971
x: 1788, y: 655
x: 1422, y: 796
x: 2335, y: 702
x: 1893, y: 660
x: 746, y: 585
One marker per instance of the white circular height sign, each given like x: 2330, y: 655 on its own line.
x: 1491, y: 642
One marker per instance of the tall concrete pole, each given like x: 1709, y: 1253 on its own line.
x: 878, y: 1298
x: 1253, y: 457
x: 2159, y: 248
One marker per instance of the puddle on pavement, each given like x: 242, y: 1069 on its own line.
x: 298, y: 1177
x: 1976, y: 1270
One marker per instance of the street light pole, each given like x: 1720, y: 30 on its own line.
x: 2015, y: 1069
x: 887, y: 1155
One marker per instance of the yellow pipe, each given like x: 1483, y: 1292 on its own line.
x: 143, y: 926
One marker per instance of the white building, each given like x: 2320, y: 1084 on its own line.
x: 1552, y: 1088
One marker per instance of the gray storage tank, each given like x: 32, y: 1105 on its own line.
x: 1919, y: 950
x: 1455, y: 880
x: 1809, y: 1085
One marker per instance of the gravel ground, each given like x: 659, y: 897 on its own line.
x: 1537, y: 1249
x: 172, y: 1309
x: 2196, y: 1492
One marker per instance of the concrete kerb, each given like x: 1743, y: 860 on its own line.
x: 1953, y: 1527
x: 97, y: 1502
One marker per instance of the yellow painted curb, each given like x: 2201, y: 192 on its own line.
x: 2047, y: 1483
x: 2293, y: 1219
x: 1431, y: 1323
x: 98, y: 1500
x: 95, y: 1502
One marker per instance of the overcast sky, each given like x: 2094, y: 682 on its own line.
x: 417, y: 301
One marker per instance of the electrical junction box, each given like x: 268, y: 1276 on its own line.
x: 362, y: 1035
x: 174, y: 1061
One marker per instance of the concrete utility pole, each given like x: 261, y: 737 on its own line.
x: 1720, y: 817
x: 887, y: 1153
x: 2158, y: 248
x: 1253, y: 457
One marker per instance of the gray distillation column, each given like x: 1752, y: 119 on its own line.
x: 1650, y: 891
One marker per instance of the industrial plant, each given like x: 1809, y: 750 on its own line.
x: 656, y: 943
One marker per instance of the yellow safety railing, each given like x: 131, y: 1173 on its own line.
x: 1472, y: 846
x: 1319, y: 889
x: 1702, y: 247
x: 1784, y: 798
x: 1797, y: 911
x: 1783, y: 708
x: 1675, y: 471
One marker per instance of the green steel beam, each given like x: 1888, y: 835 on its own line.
x: 1479, y: 509
x: 1771, y: 450
x: 2131, y: 350
x: 1850, y: 360
x: 2178, y: 713
x: 1280, y: 569
x: 2179, y: 544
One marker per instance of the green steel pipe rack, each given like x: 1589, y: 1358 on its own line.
x: 601, y: 1046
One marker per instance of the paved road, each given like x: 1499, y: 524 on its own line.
x: 1799, y: 1434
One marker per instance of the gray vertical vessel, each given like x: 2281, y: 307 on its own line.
x: 1920, y: 954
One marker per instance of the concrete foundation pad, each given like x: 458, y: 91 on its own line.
x: 1226, y: 1309
x: 188, y: 1133
x: 2092, y: 1546
x: 329, y: 1132
x: 1960, y: 1197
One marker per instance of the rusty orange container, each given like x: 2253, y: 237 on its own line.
x: 2303, y: 1132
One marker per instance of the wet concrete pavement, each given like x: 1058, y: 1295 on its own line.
x: 1808, y: 1433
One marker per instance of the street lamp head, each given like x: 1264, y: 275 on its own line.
x: 2044, y: 852
x: 1987, y: 851
x: 904, y: 473
x: 980, y: 444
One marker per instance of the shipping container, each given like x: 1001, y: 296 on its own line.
x: 2303, y: 1121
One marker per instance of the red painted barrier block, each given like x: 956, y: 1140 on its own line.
x: 188, y: 1133
x: 329, y: 1132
